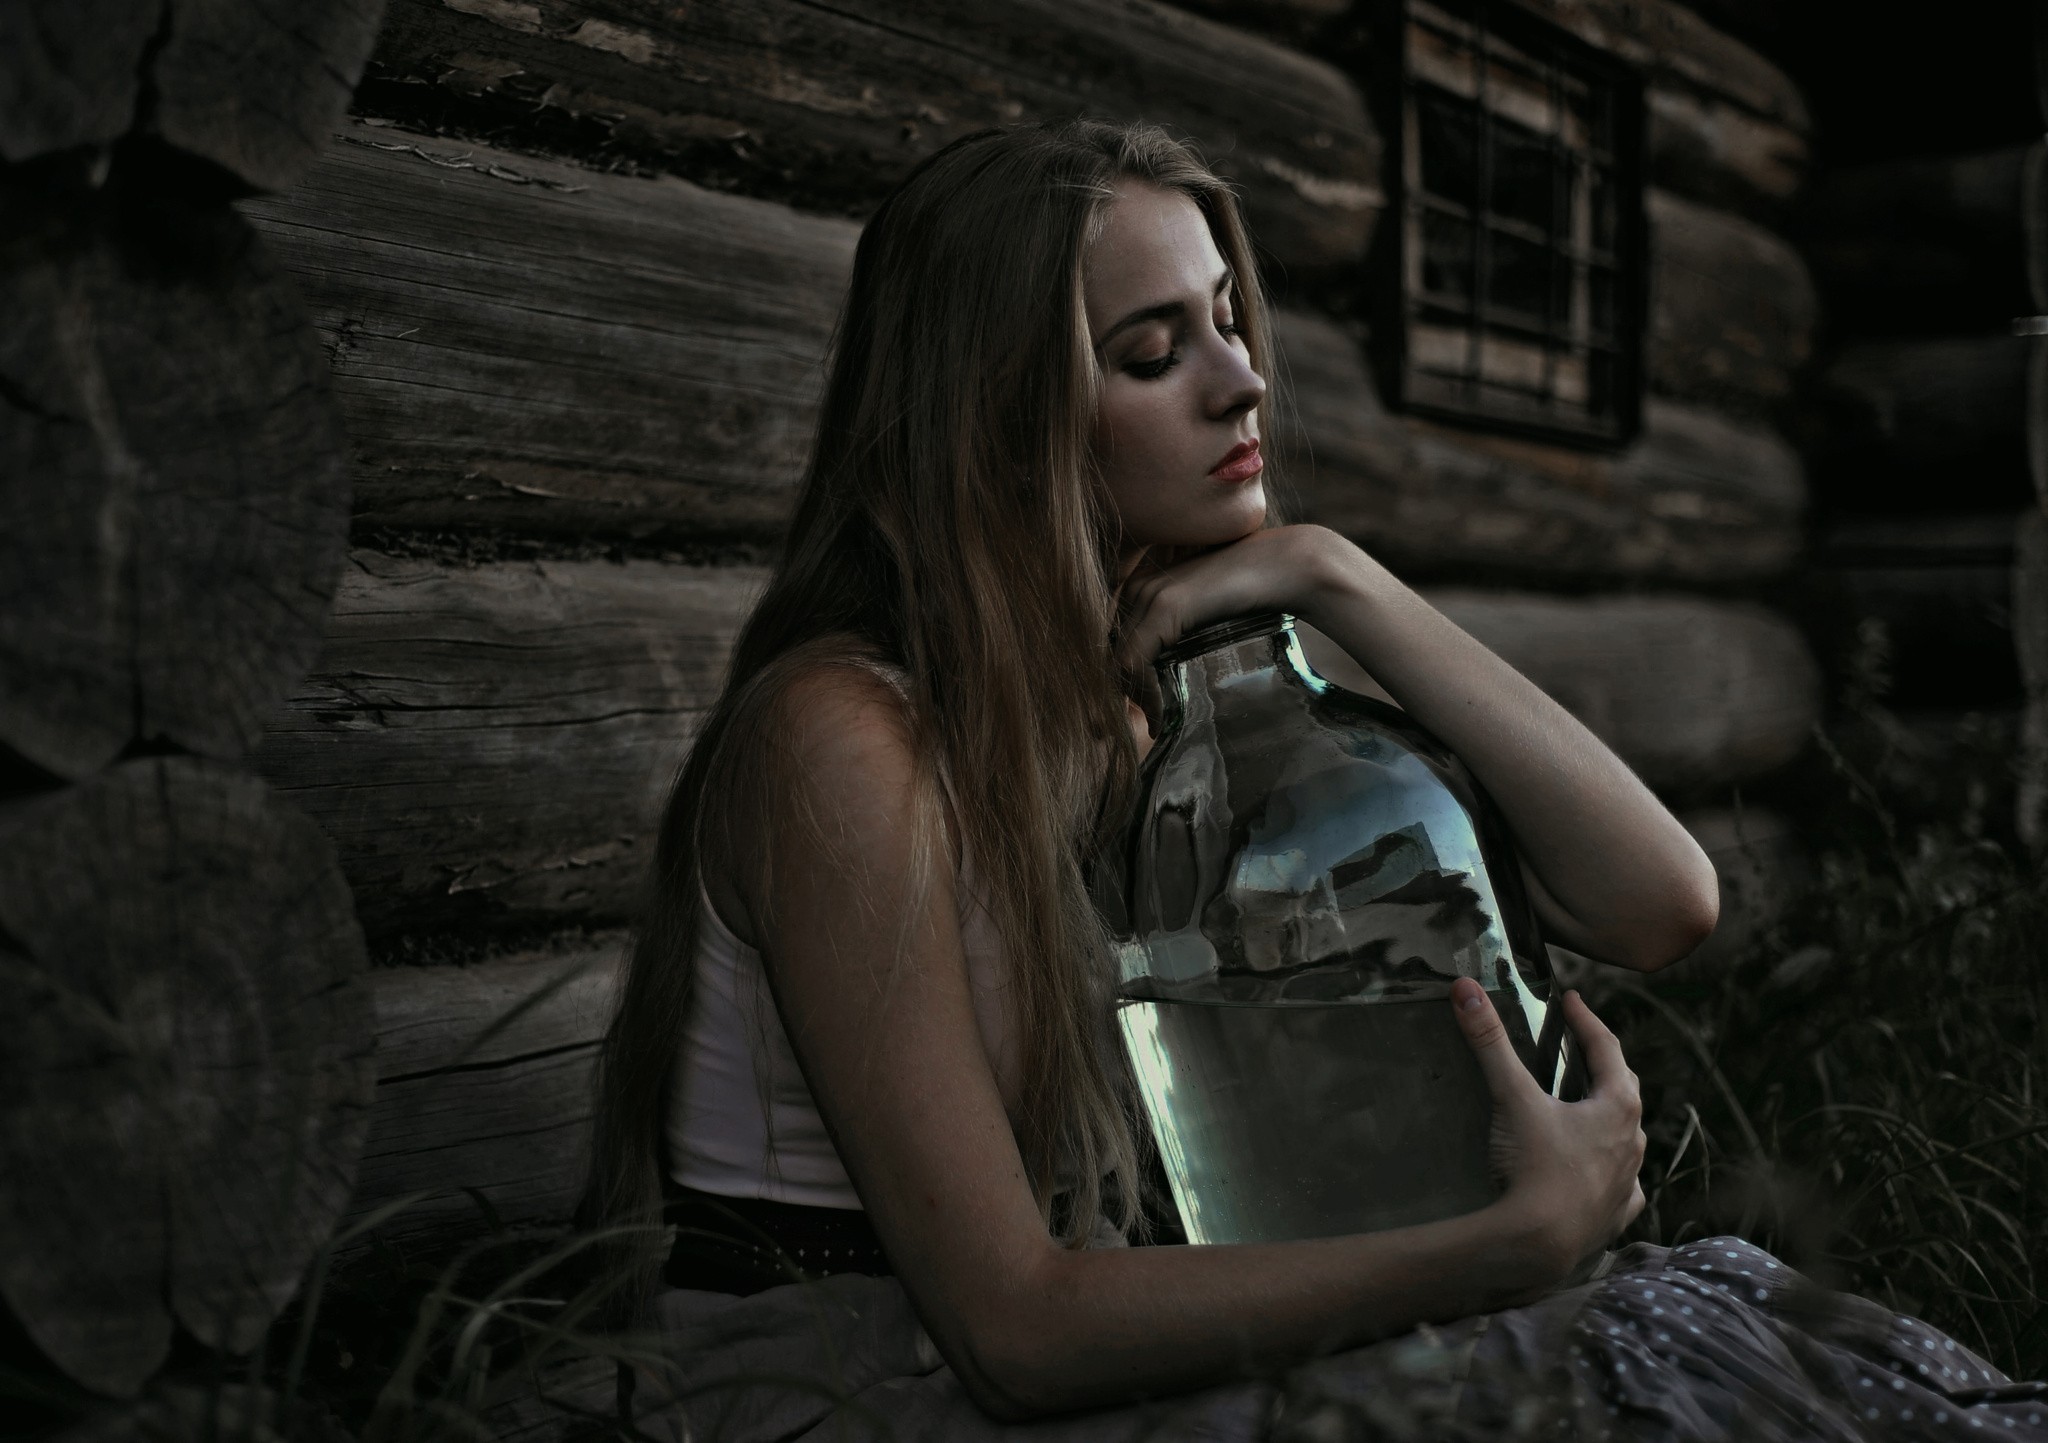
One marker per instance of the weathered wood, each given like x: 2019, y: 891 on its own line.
x: 1732, y: 308
x: 492, y: 745
x: 186, y: 1074
x: 531, y: 347
x: 1693, y: 694
x: 1283, y: 17
x: 171, y: 467
x: 835, y: 104
x: 255, y: 86
x: 1699, y: 497
x: 1671, y: 42
x: 1925, y: 424
x: 1942, y: 587
x: 70, y: 71
x: 667, y: 394
x: 483, y: 1083
x: 1702, y: 141
x: 1722, y: 154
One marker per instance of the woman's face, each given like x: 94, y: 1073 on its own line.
x: 1178, y: 428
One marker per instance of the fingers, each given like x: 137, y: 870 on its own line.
x: 1506, y: 1076
x: 1601, y: 1048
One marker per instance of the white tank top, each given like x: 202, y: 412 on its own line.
x: 735, y: 1055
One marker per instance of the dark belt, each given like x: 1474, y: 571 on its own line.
x: 743, y: 1245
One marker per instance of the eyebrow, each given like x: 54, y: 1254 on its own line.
x: 1166, y: 311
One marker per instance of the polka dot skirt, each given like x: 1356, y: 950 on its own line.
x: 1719, y: 1339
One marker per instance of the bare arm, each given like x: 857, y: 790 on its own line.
x: 1612, y: 873
x: 889, y: 1045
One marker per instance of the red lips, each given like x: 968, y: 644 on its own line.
x: 1240, y: 463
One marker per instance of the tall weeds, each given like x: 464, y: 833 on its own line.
x: 1866, y: 1091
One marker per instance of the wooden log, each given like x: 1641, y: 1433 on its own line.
x: 1732, y: 308
x: 186, y: 1077
x: 834, y: 105
x: 255, y: 86
x: 1942, y: 588
x: 483, y: 1096
x: 1674, y: 44
x: 491, y: 746
x: 522, y: 722
x: 70, y: 72
x: 1693, y: 694
x: 1923, y: 424
x: 252, y: 86
x: 1287, y: 18
x: 531, y: 347
x: 1699, y: 497
x: 1711, y: 150
x: 171, y: 465
x: 669, y: 397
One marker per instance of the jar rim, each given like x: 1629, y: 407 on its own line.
x: 1227, y: 632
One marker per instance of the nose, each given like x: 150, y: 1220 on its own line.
x: 1237, y: 388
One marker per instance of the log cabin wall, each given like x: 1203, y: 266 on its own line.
x: 188, y: 1064
x: 572, y: 269
x: 1922, y: 414
x: 576, y: 266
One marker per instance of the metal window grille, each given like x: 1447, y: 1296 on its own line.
x: 1513, y: 296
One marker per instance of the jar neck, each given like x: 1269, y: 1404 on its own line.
x: 1214, y: 655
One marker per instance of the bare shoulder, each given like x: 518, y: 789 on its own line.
x: 825, y: 778
x: 837, y: 725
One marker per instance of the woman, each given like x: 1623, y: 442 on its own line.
x: 861, y: 1031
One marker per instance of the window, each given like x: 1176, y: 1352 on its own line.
x: 1511, y: 259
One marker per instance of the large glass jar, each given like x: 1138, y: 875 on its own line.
x: 1306, y: 872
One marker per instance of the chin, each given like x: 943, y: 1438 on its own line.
x: 1206, y: 521
x: 1238, y: 518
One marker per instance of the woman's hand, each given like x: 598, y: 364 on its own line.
x: 1571, y: 1168
x: 1286, y: 568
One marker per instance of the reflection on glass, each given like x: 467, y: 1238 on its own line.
x: 1305, y: 874
x: 1448, y: 132
x: 1600, y: 282
x: 1600, y: 184
x: 1446, y: 256
x: 1524, y: 184
x: 1518, y: 274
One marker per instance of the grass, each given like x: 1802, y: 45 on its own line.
x: 1866, y: 1090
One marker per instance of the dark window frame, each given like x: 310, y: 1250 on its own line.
x: 1395, y: 308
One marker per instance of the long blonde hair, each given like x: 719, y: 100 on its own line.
x: 952, y: 523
